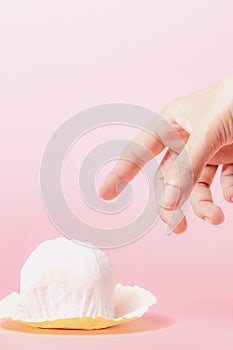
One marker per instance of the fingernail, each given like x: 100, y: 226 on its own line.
x: 208, y: 220
x: 170, y: 197
x: 232, y: 199
x: 121, y: 185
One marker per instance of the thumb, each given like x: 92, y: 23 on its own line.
x: 185, y: 170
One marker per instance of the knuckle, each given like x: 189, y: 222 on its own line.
x: 184, y: 169
x: 136, y: 153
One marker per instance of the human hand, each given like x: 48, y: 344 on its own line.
x: 204, y: 121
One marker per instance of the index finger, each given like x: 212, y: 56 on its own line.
x: 146, y: 145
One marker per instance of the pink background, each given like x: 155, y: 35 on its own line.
x: 60, y: 57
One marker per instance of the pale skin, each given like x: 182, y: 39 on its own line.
x: 204, y: 120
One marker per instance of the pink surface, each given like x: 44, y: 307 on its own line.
x: 60, y: 57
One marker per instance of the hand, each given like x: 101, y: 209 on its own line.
x: 204, y: 120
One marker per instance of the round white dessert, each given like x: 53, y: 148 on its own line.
x: 63, y: 279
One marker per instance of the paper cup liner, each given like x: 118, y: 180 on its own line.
x: 131, y: 302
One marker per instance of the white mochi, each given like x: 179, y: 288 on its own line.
x: 63, y: 279
x: 65, y: 285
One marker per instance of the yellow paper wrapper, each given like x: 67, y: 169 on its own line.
x: 130, y: 304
